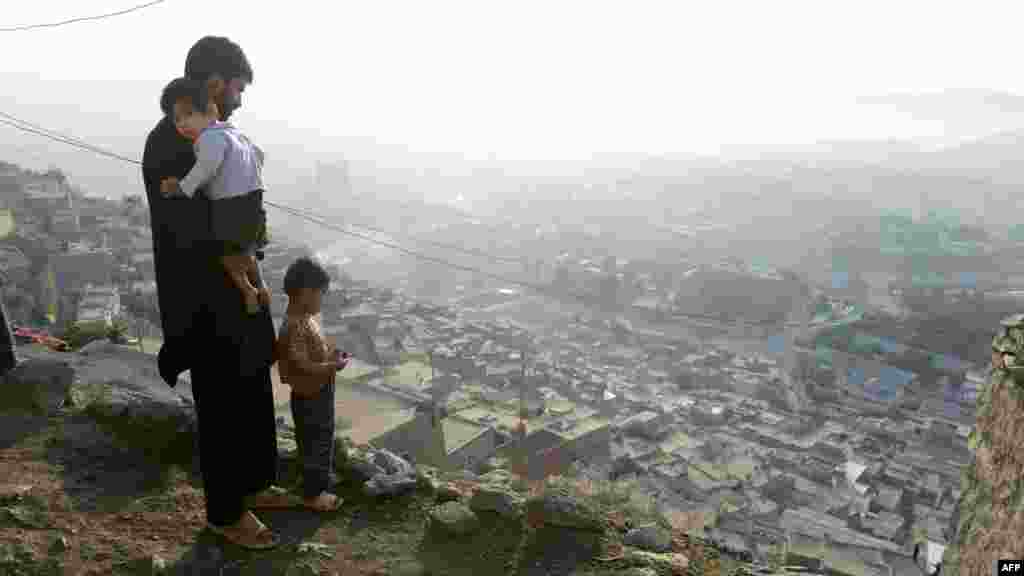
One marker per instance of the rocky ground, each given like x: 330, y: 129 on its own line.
x: 78, y: 497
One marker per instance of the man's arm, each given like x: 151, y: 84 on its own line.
x: 211, y: 148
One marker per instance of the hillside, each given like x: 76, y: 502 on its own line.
x: 99, y: 478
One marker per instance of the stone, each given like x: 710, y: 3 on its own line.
x: 390, y: 485
x: 652, y: 538
x: 670, y: 563
x: 447, y: 492
x: 40, y: 385
x: 559, y: 508
x: 454, y: 519
x: 145, y: 414
x: 498, y: 476
x: 408, y: 568
x: 497, y: 498
x: 392, y: 464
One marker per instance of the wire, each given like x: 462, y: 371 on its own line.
x: 586, y: 299
x: 36, y: 129
x: 81, y: 19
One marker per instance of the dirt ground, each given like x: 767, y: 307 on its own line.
x: 72, y: 503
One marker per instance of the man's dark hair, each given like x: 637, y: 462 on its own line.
x: 306, y: 273
x: 217, y: 56
x: 184, y: 88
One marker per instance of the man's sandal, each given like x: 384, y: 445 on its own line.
x: 273, y: 498
x: 260, y: 539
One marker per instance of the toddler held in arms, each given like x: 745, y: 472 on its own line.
x: 309, y: 363
x: 229, y: 169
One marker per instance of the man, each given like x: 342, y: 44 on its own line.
x: 206, y: 329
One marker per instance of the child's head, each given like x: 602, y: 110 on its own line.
x: 305, y: 283
x: 189, y: 103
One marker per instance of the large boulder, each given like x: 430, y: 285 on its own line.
x: 126, y: 396
x: 653, y: 538
x: 41, y: 385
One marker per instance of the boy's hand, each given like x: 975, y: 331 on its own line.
x: 341, y: 359
x: 169, y: 186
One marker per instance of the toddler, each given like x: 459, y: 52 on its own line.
x: 308, y: 363
x: 228, y: 167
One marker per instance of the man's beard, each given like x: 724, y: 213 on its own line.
x: 225, y: 109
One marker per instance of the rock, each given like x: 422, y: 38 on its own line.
x: 392, y: 464
x: 454, y: 519
x: 409, y: 568
x: 558, y: 508
x: 152, y: 565
x: 127, y: 398
x: 652, y: 538
x: 390, y: 485
x: 42, y: 385
x: 448, y: 492
x: 499, y: 476
x: 497, y: 498
x: 360, y: 463
x: 671, y: 563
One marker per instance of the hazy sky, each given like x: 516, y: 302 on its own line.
x: 552, y: 79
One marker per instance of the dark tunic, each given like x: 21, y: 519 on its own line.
x: 206, y: 330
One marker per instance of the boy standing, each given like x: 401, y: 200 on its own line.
x: 309, y: 363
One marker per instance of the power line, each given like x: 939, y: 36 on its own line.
x: 81, y: 19
x: 586, y: 299
x: 36, y: 129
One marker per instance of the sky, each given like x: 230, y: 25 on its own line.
x: 527, y: 80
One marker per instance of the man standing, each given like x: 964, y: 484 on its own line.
x: 206, y: 328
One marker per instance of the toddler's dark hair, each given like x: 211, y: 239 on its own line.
x: 306, y: 273
x: 193, y: 91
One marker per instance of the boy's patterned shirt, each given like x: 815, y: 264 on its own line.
x: 302, y: 341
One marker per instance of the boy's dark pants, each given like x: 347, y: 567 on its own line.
x: 314, y: 434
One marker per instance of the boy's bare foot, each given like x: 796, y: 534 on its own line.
x: 325, y: 502
x: 248, y: 533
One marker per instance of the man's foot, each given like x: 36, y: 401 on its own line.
x: 274, y: 497
x: 325, y: 502
x: 248, y: 533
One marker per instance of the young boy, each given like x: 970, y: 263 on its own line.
x: 229, y: 167
x: 309, y: 363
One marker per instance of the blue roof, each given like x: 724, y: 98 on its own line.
x: 777, y: 344
x: 856, y: 376
x: 967, y: 279
x: 840, y: 280
x: 892, y: 346
x: 890, y: 376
